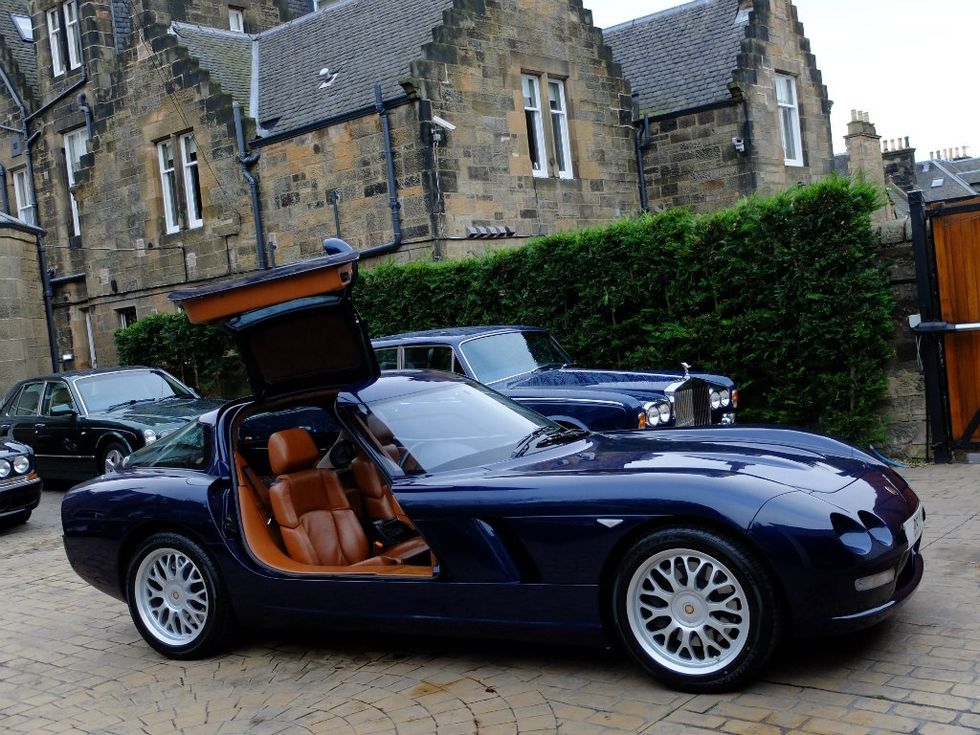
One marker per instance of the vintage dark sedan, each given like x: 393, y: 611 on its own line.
x: 528, y: 365
x: 20, y: 486
x: 417, y: 501
x: 82, y: 423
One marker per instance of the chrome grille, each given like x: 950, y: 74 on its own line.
x: 692, y: 405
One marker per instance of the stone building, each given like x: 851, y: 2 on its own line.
x: 166, y: 142
x: 730, y: 101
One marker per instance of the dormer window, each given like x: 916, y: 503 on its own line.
x: 64, y: 37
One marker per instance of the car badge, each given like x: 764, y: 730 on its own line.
x: 609, y: 522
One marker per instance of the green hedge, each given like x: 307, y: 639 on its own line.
x: 784, y: 294
x: 198, y: 355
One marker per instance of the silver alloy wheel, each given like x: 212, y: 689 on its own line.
x: 171, y: 596
x: 112, y: 459
x: 688, y: 611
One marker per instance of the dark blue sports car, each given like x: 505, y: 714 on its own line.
x: 528, y: 365
x: 420, y: 501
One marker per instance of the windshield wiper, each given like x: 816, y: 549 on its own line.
x: 530, y: 440
x: 130, y: 402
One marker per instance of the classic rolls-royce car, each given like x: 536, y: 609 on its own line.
x: 83, y: 422
x: 528, y: 365
x: 20, y: 486
x: 342, y: 498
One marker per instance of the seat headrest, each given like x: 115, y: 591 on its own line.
x: 291, y: 450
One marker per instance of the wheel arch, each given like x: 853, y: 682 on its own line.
x: 140, y: 534
x: 621, y: 548
x: 113, y: 435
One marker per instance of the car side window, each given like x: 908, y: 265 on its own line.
x: 432, y: 357
x: 56, y: 397
x: 387, y: 358
x: 27, y: 401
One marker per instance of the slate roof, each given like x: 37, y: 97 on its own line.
x: 948, y: 183
x: 227, y: 55
x: 967, y: 169
x: 681, y: 58
x: 363, y: 41
x: 21, y: 51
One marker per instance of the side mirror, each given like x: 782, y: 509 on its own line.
x: 63, y: 410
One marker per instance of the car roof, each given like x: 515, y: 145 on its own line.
x: 451, y: 335
x: 86, y: 373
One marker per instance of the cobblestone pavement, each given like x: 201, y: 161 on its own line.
x: 72, y: 662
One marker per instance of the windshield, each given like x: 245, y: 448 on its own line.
x: 108, y: 390
x: 187, y: 448
x: 452, y: 426
x: 500, y: 356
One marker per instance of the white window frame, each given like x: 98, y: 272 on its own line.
x: 73, y: 34
x: 75, y: 147
x: 22, y: 194
x: 559, y: 127
x: 24, y: 27
x: 535, y: 124
x: 64, y: 18
x: 192, y: 181
x: 789, y: 120
x: 236, y: 19
x: 168, y: 184
x: 54, y: 41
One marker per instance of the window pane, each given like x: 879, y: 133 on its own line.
x: 74, y: 149
x: 535, y: 127
x: 28, y: 400
x: 54, y: 42
x: 786, y: 128
x: 22, y: 193
x: 73, y: 35
x: 429, y: 358
x: 559, y: 127
x: 192, y: 182
x: 168, y: 184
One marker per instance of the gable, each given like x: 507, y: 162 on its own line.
x: 682, y: 58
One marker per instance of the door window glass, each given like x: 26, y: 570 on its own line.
x: 27, y: 402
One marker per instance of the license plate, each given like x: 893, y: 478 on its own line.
x: 913, y: 526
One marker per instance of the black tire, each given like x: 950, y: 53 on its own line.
x: 696, y: 610
x: 176, y: 598
x: 111, y: 455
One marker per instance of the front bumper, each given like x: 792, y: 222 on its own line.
x: 19, y: 495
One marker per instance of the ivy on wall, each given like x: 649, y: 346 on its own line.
x: 784, y: 294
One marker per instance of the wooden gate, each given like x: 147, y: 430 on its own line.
x: 957, y: 241
x: 948, y: 275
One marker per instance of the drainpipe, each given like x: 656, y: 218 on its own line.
x: 253, y: 187
x: 642, y: 138
x: 42, y: 264
x: 393, y: 202
x: 87, y: 111
x: 4, y: 196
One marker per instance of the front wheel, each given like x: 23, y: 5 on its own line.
x: 112, y: 456
x: 695, y: 609
x: 175, y: 597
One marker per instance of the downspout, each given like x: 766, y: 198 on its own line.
x: 642, y: 139
x: 253, y: 187
x: 4, y: 196
x: 393, y: 203
x: 29, y: 161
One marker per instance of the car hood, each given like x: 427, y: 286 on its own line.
x: 295, y: 325
x: 159, y: 413
x: 623, y: 381
x: 795, y: 459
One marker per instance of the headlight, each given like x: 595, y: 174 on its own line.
x: 715, y: 399
x: 658, y: 413
x: 726, y: 397
x: 149, y: 435
x: 4, y: 468
x: 22, y: 464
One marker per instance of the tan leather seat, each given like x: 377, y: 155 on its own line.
x: 317, y: 523
x: 379, y: 503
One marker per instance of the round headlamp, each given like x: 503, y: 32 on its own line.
x: 715, y: 397
x: 726, y: 397
x: 658, y: 413
x: 5, y: 468
x: 22, y: 464
x: 149, y: 436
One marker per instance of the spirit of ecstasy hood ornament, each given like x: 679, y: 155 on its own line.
x: 687, y: 369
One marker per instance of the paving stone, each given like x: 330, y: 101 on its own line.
x: 71, y: 663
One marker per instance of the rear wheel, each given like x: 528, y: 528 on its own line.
x: 176, y: 599
x: 695, y: 609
